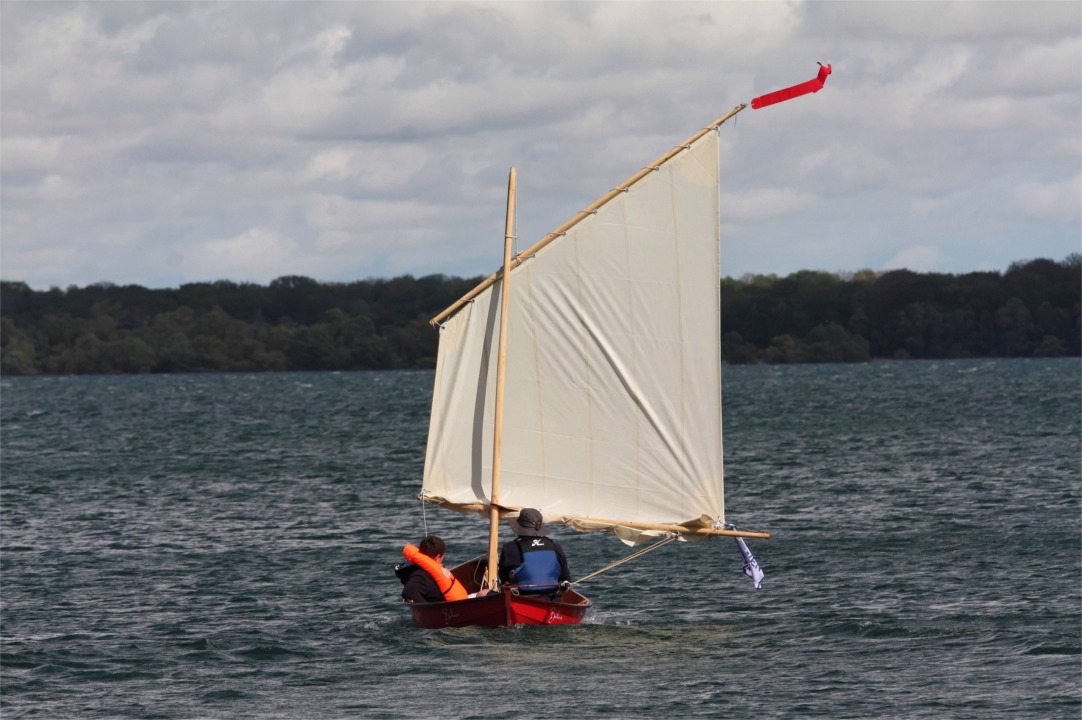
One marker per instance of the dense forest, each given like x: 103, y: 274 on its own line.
x: 1034, y: 309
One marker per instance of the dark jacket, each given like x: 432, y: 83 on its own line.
x: 534, y: 561
x: 420, y: 587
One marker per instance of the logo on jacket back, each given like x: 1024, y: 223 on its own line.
x: 537, y: 543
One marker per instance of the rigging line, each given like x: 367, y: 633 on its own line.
x: 424, y: 513
x: 629, y: 558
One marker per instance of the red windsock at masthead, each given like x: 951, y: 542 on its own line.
x: 795, y: 91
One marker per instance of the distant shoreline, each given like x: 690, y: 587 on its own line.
x: 1034, y: 309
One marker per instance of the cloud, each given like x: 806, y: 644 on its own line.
x: 1053, y: 200
x: 365, y: 167
x: 165, y: 143
x: 765, y: 203
x: 257, y: 254
x: 918, y: 258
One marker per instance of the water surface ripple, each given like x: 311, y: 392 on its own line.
x: 220, y: 546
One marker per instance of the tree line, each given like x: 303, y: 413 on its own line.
x: 1034, y: 309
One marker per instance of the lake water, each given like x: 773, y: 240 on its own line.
x: 221, y: 546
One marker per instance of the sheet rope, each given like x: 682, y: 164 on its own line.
x: 632, y: 556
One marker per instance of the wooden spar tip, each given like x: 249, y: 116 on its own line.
x: 582, y: 215
x: 703, y: 527
x: 724, y: 118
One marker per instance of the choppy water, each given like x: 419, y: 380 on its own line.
x: 221, y: 546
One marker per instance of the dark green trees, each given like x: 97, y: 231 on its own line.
x: 296, y: 323
x: 1032, y: 310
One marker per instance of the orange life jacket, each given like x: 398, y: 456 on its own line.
x: 447, y: 583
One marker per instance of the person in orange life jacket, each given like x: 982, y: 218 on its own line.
x: 424, y: 577
x: 532, y: 560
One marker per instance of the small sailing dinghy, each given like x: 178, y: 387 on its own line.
x: 584, y: 379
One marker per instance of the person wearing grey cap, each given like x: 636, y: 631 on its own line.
x: 533, y: 562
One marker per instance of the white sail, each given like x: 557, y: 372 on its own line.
x: 613, y: 396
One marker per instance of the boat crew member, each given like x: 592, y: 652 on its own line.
x: 533, y: 561
x: 424, y: 576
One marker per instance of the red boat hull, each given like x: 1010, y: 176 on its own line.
x: 501, y: 609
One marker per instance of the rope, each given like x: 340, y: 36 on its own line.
x: 424, y: 515
x: 629, y: 558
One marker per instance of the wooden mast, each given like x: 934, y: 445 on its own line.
x: 501, y: 364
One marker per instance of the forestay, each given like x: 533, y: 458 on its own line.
x: 613, y: 394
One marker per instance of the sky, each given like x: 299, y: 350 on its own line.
x: 159, y: 144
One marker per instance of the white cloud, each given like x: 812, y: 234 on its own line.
x: 1058, y: 200
x: 257, y: 254
x: 918, y: 258
x: 894, y: 20
x: 168, y: 143
x: 366, y: 166
x: 23, y: 154
x: 755, y: 206
x: 58, y: 189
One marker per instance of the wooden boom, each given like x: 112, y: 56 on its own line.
x: 603, y: 523
x: 680, y: 529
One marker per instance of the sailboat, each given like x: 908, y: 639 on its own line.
x: 583, y: 379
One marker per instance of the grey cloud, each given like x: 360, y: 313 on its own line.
x: 158, y: 143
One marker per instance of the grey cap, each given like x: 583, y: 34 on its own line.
x: 529, y: 523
